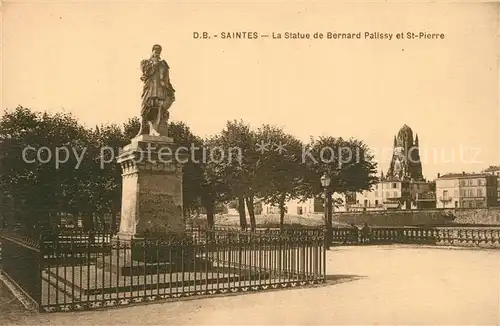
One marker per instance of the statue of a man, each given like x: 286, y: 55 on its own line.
x: 157, y: 95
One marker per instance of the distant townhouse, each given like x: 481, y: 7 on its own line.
x: 396, y: 194
x: 310, y: 206
x: 467, y: 190
x: 496, y: 171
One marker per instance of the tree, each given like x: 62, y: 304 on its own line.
x: 214, y: 188
x: 131, y: 128
x: 279, y: 169
x: 105, y: 173
x: 41, y: 154
x: 238, y: 166
x: 349, y: 164
x: 193, y: 166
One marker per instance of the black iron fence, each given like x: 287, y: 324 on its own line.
x: 21, y: 265
x: 489, y: 237
x: 76, y: 271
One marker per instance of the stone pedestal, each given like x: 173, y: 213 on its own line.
x: 152, y: 212
x: 152, y: 188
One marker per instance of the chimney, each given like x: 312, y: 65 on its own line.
x: 439, y: 174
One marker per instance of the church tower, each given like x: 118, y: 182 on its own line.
x: 405, y: 162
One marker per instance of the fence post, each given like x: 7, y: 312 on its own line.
x: 326, y: 238
x: 324, y: 258
x: 39, y: 265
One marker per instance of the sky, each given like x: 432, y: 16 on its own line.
x: 84, y: 58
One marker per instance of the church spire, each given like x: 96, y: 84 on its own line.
x: 416, y: 139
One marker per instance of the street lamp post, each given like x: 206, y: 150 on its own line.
x: 325, y: 183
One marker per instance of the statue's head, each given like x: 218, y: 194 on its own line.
x: 156, y: 50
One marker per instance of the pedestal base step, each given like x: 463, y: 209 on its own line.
x: 137, y: 268
x: 81, y: 283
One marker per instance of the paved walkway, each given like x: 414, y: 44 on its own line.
x: 398, y: 285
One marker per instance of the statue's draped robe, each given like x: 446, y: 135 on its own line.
x: 156, y: 98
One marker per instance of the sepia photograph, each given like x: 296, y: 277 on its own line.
x: 250, y: 163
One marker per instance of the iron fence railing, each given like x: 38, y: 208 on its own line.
x: 21, y: 265
x: 453, y: 236
x: 75, y: 271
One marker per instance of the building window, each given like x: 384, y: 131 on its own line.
x: 395, y: 194
x: 366, y: 202
x: 394, y: 185
x: 299, y: 210
x: 376, y: 202
x: 479, y: 204
x: 387, y: 194
x: 480, y: 192
x: 455, y: 193
x: 456, y: 204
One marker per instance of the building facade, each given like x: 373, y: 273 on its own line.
x: 403, y: 187
x: 310, y: 206
x: 496, y: 171
x: 467, y: 190
x: 396, y: 194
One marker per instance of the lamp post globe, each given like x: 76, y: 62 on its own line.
x: 325, y: 180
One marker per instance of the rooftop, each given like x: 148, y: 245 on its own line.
x: 410, y: 181
x: 464, y: 175
x: 492, y: 168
